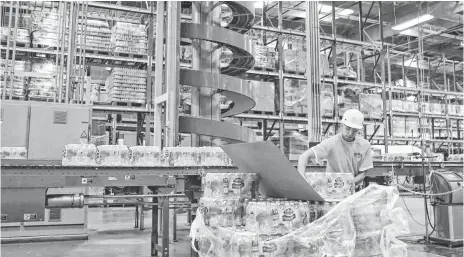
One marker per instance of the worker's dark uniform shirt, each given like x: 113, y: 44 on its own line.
x: 343, y: 156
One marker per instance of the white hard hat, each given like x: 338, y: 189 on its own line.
x: 353, y: 118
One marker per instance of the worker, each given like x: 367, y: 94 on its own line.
x: 344, y: 152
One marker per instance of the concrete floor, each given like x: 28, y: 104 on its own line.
x: 112, y: 234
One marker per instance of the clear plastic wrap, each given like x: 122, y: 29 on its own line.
x: 79, y: 155
x: 371, y: 105
x: 146, y: 156
x: 181, y: 156
x: 213, y: 156
x: 334, y: 234
x: 333, y: 186
x: 113, y: 155
x: 229, y: 184
x: 14, y: 153
x: 295, y: 98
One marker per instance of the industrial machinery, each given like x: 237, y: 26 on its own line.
x: 448, y: 208
x: 43, y: 129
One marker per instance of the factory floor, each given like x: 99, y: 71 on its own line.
x: 112, y: 234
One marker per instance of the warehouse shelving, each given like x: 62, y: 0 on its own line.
x: 97, y: 9
x: 114, y: 61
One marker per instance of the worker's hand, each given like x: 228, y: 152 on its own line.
x: 359, y: 178
x: 358, y: 187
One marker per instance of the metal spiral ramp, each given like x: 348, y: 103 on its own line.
x: 237, y: 90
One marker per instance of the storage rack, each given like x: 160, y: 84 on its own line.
x: 133, y: 14
x: 372, y: 50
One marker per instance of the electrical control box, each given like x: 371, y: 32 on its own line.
x: 44, y: 128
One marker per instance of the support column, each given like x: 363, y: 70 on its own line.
x: 313, y: 71
x: 281, y: 77
x: 205, y: 57
x: 172, y: 72
x: 149, y: 71
x: 335, y: 76
x: 159, y: 87
x: 382, y: 79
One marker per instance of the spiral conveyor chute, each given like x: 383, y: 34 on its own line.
x: 237, y: 90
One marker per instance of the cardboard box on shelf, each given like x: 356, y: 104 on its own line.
x: 370, y: 129
x: 436, y: 108
x: 264, y: 96
x: 398, y: 126
x: 425, y: 108
x: 412, y: 127
x: 327, y: 104
x: 343, y: 107
x: 397, y: 105
x: 453, y: 109
x: 327, y: 101
x: 411, y: 106
x: 460, y: 110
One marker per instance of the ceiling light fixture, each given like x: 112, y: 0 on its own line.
x: 413, y: 22
x: 326, y: 9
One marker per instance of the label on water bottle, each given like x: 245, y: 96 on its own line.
x: 225, y: 183
x: 339, y: 182
x: 288, y: 215
x: 275, y: 218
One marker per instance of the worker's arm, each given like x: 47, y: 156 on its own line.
x: 318, y: 153
x: 365, y: 166
x: 360, y: 177
x: 303, y: 161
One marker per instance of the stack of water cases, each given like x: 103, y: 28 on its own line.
x: 15, y: 85
x: 44, y: 85
x: 333, y: 187
x: 240, y: 224
x: 45, y: 28
x: 14, y: 152
x: 97, y: 35
x: 275, y: 227
x: 86, y: 154
x: 127, y: 85
x: 223, y: 205
x: 129, y: 38
x: 22, y: 36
